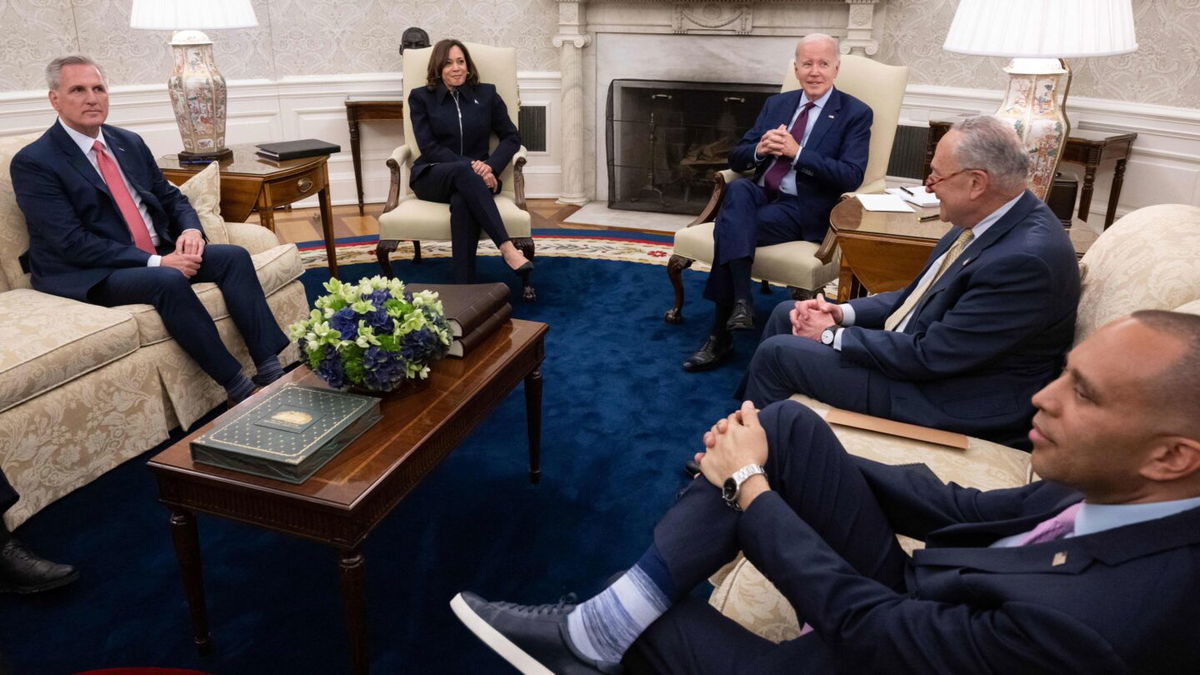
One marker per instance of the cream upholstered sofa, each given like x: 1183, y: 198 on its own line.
x: 83, y: 387
x: 1149, y: 259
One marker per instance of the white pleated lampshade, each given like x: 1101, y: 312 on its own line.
x: 188, y: 14
x: 1042, y: 28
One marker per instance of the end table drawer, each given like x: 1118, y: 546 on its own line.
x: 295, y: 188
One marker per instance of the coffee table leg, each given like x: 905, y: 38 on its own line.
x: 533, y: 420
x: 187, y: 550
x: 354, y: 600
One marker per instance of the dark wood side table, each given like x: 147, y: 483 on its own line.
x: 341, y: 503
x: 886, y: 251
x: 360, y: 108
x: 249, y: 182
x: 1085, y: 147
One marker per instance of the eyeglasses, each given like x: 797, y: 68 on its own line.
x: 930, y: 181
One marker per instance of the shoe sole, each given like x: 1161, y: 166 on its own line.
x: 495, y: 640
x: 48, y: 586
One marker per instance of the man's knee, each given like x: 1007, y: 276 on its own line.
x: 780, y: 322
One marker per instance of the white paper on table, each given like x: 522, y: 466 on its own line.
x: 916, y: 194
x: 884, y: 202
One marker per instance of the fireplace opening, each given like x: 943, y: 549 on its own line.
x: 665, y: 140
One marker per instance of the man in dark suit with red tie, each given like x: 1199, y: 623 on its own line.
x: 106, y: 227
x: 807, y: 147
x: 1091, y: 570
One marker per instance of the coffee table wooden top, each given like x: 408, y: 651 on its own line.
x: 417, y: 431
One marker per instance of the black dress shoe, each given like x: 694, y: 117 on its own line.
x: 533, y: 639
x: 742, y: 317
x: 23, y: 572
x: 715, y: 351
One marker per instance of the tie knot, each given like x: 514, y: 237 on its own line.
x: 98, y: 146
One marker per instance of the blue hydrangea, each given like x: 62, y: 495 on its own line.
x: 331, y: 369
x: 345, y: 322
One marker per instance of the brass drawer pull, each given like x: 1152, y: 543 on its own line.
x: 304, y: 184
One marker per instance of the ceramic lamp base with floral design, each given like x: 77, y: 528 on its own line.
x: 1032, y: 106
x: 198, y: 96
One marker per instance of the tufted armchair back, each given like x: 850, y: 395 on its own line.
x: 14, y: 237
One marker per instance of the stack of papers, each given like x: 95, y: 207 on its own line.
x: 915, y: 194
x: 884, y: 202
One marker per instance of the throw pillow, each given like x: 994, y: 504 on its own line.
x: 204, y: 192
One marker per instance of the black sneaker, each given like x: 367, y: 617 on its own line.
x: 532, y: 638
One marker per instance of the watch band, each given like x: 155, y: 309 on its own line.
x: 733, y: 484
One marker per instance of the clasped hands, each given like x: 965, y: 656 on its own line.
x: 811, y: 317
x: 188, y: 254
x: 778, y: 142
x: 732, y: 443
x: 485, y: 172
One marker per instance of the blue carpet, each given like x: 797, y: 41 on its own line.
x: 620, y: 418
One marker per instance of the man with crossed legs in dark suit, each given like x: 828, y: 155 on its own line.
x: 106, y: 227
x: 1090, y: 570
x: 806, y: 148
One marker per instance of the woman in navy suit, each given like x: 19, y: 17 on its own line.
x: 453, y: 117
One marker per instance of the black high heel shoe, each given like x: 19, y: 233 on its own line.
x: 524, y: 270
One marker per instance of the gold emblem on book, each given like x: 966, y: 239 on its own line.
x: 295, y: 417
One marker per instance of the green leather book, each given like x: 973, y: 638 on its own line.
x: 289, y: 434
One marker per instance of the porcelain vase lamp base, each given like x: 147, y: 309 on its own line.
x: 1032, y: 106
x: 198, y: 96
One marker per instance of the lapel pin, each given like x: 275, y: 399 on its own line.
x: 832, y: 116
x: 1060, y: 558
x: 964, y: 263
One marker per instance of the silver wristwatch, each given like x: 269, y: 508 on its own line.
x: 733, y: 485
x: 827, y: 336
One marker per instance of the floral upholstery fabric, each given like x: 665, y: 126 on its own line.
x: 204, y: 193
x: 14, y: 237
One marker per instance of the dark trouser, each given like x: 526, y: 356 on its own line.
x: 472, y: 207
x: 184, y: 316
x: 809, y: 468
x: 8, y: 497
x: 748, y: 220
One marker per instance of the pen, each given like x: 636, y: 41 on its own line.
x: 908, y: 191
x: 929, y: 217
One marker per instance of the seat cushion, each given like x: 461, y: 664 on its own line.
x: 204, y: 193
x: 792, y: 263
x: 275, y: 268
x: 418, y: 219
x: 50, y: 340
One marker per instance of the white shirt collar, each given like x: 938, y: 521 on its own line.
x: 1094, y: 518
x: 84, y: 141
x: 989, y: 220
x: 820, y: 102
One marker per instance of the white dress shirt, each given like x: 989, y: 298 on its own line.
x: 1094, y: 518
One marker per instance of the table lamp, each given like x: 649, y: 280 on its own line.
x: 197, y: 88
x: 1039, y: 35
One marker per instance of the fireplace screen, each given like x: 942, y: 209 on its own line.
x: 665, y: 140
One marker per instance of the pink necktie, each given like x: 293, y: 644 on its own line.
x: 1055, y: 528
x: 116, y: 185
x: 780, y: 168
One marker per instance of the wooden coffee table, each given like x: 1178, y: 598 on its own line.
x: 350, y: 495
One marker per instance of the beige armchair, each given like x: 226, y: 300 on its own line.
x: 802, y: 266
x: 407, y: 218
x: 1149, y: 259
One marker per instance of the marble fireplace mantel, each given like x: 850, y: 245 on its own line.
x: 582, y: 22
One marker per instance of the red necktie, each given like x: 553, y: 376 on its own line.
x: 1054, y: 528
x: 780, y: 168
x: 116, y: 185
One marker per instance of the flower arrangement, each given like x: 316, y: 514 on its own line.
x: 373, y: 334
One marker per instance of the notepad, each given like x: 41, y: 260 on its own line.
x: 884, y: 202
x: 915, y: 194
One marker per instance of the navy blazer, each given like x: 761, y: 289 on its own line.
x: 992, y: 331
x: 77, y: 235
x: 447, y: 130
x: 1118, y: 601
x: 831, y: 162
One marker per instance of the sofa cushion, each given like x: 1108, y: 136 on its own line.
x: 14, y: 237
x: 204, y: 193
x: 417, y: 219
x: 50, y: 340
x: 275, y: 268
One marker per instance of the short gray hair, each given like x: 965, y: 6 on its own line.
x: 54, y: 68
x: 822, y: 37
x: 992, y: 145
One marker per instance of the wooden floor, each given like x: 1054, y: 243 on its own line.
x: 297, y: 225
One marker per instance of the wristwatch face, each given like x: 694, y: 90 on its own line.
x: 827, y: 336
x: 729, y: 490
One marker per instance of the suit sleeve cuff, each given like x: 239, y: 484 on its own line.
x: 154, y: 261
x: 837, y: 339
x: 848, y: 315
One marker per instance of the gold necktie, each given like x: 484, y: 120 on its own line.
x: 956, y: 249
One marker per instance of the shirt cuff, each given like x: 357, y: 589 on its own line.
x: 837, y: 338
x: 847, y: 314
x: 154, y: 261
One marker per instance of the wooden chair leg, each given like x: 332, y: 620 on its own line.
x: 675, y: 267
x: 526, y: 246
x: 801, y: 293
x: 382, y: 250
x: 416, y: 252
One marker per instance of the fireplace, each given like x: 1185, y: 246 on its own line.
x: 665, y: 140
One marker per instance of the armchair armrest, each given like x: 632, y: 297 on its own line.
x: 254, y: 238
x: 721, y: 180
x: 398, y: 164
x: 519, y: 160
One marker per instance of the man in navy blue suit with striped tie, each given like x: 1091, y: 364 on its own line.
x: 106, y: 227
x: 807, y: 147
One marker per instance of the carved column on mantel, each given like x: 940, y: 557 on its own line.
x: 859, y: 28
x: 570, y: 41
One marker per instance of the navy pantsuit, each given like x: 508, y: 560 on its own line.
x: 80, y: 247
x: 831, y: 162
x: 452, y: 129
x: 990, y: 333
x: 825, y: 538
